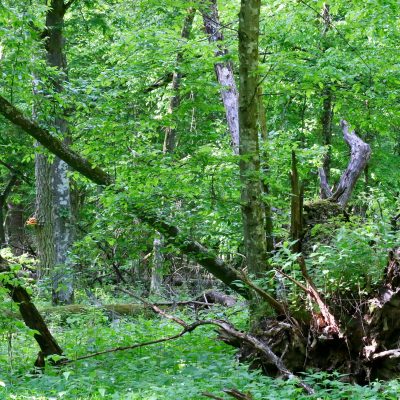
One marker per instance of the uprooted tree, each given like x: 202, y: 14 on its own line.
x: 362, y: 341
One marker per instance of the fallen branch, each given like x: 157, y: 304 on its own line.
x: 394, y: 353
x: 232, y: 331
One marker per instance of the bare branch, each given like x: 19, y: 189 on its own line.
x: 394, y: 353
x: 360, y: 154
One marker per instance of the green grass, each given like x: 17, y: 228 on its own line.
x: 175, y: 370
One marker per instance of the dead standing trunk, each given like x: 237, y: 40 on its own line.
x: 360, y: 154
x: 223, y: 71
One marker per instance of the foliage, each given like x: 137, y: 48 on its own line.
x: 183, y: 368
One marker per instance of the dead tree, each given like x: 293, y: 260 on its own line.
x: 360, y: 154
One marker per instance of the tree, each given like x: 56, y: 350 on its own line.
x: 252, y: 206
x: 53, y: 199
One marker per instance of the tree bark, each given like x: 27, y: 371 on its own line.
x: 327, y: 113
x: 15, y: 224
x: 360, y: 154
x: 269, y: 226
x: 223, y: 71
x: 251, y: 197
x: 3, y: 198
x: 157, y: 266
x: 296, y: 222
x: 61, y: 273
x: 31, y: 316
x: 44, y: 215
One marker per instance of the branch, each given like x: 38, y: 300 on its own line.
x: 232, y: 331
x: 15, y: 171
x: 360, y: 155
x: 326, y: 191
x: 54, y: 145
x: 163, y: 81
x: 8, y: 189
x: 68, y: 5
x: 195, y: 250
x: 394, y: 353
x: 223, y: 325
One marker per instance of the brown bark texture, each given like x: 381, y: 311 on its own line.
x: 251, y: 194
x: 31, y: 316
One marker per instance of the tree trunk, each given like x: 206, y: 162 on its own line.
x: 44, y: 215
x: 32, y: 318
x: 224, y: 71
x: 327, y: 113
x: 205, y: 257
x: 360, y: 154
x: 15, y: 223
x: 157, y: 266
x: 269, y: 227
x: 251, y: 197
x: 170, y: 132
x: 3, y: 198
x: 55, y: 231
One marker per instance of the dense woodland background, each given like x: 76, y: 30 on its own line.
x: 157, y: 170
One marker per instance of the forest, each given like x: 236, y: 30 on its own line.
x: 199, y: 199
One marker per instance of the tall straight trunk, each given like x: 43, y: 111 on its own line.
x: 157, y: 265
x: 223, y: 71
x: 170, y: 132
x: 251, y: 196
x: 44, y: 215
x: 61, y: 233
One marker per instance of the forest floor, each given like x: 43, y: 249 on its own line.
x: 180, y: 369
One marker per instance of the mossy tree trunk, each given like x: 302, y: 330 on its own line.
x: 251, y: 196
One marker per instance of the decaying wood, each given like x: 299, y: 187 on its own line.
x: 223, y: 71
x: 31, y: 316
x: 360, y: 154
x: 329, y: 326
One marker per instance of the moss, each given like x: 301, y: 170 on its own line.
x: 321, y: 219
x: 321, y: 211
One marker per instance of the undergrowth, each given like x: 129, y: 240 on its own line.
x: 180, y: 369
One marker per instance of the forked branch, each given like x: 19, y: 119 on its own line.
x: 359, y: 157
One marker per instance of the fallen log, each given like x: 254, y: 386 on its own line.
x: 31, y: 316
